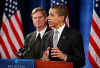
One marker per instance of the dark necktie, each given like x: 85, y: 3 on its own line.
x: 37, y: 45
x: 38, y: 37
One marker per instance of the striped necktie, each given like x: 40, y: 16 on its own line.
x: 55, y: 38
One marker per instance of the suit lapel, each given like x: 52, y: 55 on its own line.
x: 47, y: 29
x: 34, y: 36
x: 51, y: 38
x: 63, y: 37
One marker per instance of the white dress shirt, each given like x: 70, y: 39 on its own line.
x: 41, y: 32
x: 60, y: 31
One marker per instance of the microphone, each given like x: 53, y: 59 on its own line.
x: 22, y: 52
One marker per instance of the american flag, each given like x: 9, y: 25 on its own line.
x: 94, y: 45
x: 11, y: 34
x: 61, y: 2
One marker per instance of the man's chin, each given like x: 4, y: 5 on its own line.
x: 39, y: 26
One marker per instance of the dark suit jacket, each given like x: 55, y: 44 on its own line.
x: 70, y: 43
x: 30, y: 49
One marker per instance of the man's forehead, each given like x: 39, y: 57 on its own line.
x: 38, y: 14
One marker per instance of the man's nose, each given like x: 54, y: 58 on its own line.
x: 37, y: 18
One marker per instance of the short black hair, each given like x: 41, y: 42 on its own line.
x: 61, y: 10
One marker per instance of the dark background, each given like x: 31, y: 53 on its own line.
x: 80, y: 17
x: 26, y: 7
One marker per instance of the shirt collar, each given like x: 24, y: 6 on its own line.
x: 41, y: 32
x: 60, y: 29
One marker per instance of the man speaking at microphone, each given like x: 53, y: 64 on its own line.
x: 62, y: 43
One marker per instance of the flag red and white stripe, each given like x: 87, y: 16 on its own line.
x: 11, y: 35
x: 94, y: 45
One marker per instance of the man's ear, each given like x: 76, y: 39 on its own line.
x: 62, y: 18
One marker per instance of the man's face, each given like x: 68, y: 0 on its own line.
x: 53, y: 18
x: 39, y: 20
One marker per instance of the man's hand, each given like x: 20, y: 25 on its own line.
x: 55, y: 52
x: 46, y: 54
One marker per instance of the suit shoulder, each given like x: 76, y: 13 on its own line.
x: 29, y: 35
x: 74, y: 31
x: 48, y: 34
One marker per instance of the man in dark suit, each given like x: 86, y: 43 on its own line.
x: 32, y: 48
x: 62, y: 43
